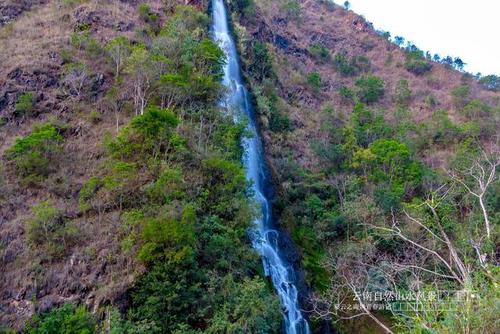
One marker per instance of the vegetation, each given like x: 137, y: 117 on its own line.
x: 25, y: 104
x: 314, y: 81
x: 416, y: 63
x: 370, y: 88
x: 381, y: 195
x: 319, y: 52
x: 352, y: 67
x: 34, y: 156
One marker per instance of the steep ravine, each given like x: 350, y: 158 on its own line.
x: 267, y: 240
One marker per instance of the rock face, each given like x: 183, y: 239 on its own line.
x: 38, y: 81
x: 10, y: 9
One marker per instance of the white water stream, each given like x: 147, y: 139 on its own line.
x: 264, y: 237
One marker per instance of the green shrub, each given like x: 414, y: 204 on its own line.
x: 370, y: 88
x: 292, y: 9
x: 352, y: 67
x: 460, y: 96
x: 476, y: 109
x: 146, y: 14
x: 491, y: 82
x: 246, y: 8
x: 168, y: 239
x: 314, y: 81
x: 261, y: 65
x: 25, y: 104
x: 319, y: 52
x: 402, y: 93
x: 33, y: 156
x: 66, y: 319
x: 416, y: 63
x: 88, y: 191
x: 47, y: 230
x: 347, y: 93
x: 95, y: 117
x: 279, y: 122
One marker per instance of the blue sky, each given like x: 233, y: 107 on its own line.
x: 463, y: 28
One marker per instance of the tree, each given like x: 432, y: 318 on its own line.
x: 314, y: 80
x: 402, y: 93
x: 416, y: 63
x: 118, y: 49
x: 76, y: 78
x: 347, y: 5
x: 399, y: 40
x: 34, y: 155
x: 47, y: 230
x: 143, y: 75
x: 478, y: 178
x: 458, y: 63
x: 370, y: 88
x: 66, y: 319
x: 491, y: 82
x: 25, y: 103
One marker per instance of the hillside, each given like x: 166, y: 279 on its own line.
x: 124, y: 206
x: 364, y: 137
x: 122, y: 189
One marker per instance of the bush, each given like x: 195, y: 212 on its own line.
x: 33, y: 156
x: 47, y: 230
x: 314, y: 80
x: 261, y: 66
x: 491, y: 82
x: 292, y: 9
x: 352, y: 67
x: 347, y: 93
x: 402, y: 93
x: 25, y: 104
x: 66, y: 319
x: 370, y: 88
x: 460, y: 96
x: 319, y: 52
x: 416, y: 63
x: 246, y: 8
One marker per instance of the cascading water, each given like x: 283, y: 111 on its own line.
x: 264, y: 238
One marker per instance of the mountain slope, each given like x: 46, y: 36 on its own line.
x: 123, y: 202
x: 365, y: 136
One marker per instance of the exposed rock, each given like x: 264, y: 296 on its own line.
x: 11, y: 9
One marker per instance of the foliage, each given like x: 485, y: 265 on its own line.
x: 175, y: 175
x: 261, y: 64
x: 314, y: 81
x: 66, y: 319
x: 292, y: 9
x: 47, y: 229
x: 34, y: 155
x: 319, y: 52
x: 370, y: 88
x: 416, y: 63
x: 246, y: 8
x: 25, y: 104
x: 460, y: 96
x: 402, y: 93
x: 247, y: 307
x: 352, y: 67
x: 491, y: 82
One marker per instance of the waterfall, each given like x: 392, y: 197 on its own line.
x: 264, y: 237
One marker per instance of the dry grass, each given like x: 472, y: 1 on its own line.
x: 342, y: 31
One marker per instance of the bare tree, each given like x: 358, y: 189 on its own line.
x: 76, y: 79
x: 478, y: 178
x: 345, y: 297
x: 118, y: 49
x: 143, y: 76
